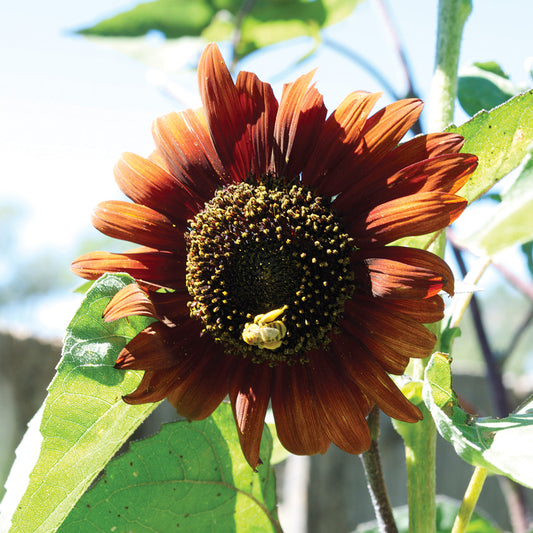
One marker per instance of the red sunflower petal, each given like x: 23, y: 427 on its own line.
x: 446, y: 173
x: 336, y: 142
x: 149, y: 184
x: 249, y: 395
x: 368, y: 374
x: 148, y: 351
x: 382, y: 132
x: 198, y: 394
x: 154, y: 386
x: 406, y: 154
x: 184, y: 143
x: 299, y: 121
x: 139, y: 224
x: 129, y: 301
x: 259, y: 108
x: 401, y: 333
x: 340, y: 404
x: 401, y: 272
x: 391, y: 360
x: 227, y: 122
x: 424, y: 311
x: 299, y: 426
x: 172, y: 305
x: 418, y: 214
x: 155, y: 268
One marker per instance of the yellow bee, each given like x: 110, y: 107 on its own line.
x: 265, y: 331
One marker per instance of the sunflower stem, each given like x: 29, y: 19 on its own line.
x: 451, y: 20
x: 470, y: 500
x: 375, y: 481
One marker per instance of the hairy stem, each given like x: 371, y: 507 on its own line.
x: 375, y: 481
x: 451, y: 20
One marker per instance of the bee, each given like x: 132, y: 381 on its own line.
x: 265, y: 331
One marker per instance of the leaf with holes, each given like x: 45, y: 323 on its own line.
x: 190, y: 477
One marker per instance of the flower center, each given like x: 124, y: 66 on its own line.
x: 268, y: 269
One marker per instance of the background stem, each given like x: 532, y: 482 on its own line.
x: 470, y: 500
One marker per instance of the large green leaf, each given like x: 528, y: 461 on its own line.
x: 484, y: 86
x: 503, y: 446
x: 85, y: 420
x: 188, y: 477
x: 501, y: 139
x: 511, y: 222
x: 267, y: 22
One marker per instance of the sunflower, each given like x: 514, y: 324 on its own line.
x: 266, y: 257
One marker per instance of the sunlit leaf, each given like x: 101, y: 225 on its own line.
x: 266, y: 23
x: 484, y: 86
x: 85, y: 420
x: 511, y: 222
x: 189, y: 476
x: 503, y: 446
x: 501, y: 139
x: 446, y: 512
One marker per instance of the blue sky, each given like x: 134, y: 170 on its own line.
x: 69, y: 107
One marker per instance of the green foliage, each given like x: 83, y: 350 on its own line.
x: 511, y: 220
x: 266, y: 23
x: 446, y: 513
x: 484, y: 86
x: 190, y: 476
x: 85, y: 420
x: 503, y: 446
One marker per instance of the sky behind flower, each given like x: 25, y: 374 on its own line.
x: 69, y: 107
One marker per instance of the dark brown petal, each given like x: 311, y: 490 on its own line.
x: 368, y: 374
x: 299, y: 121
x: 391, y: 360
x: 156, y: 268
x: 401, y: 272
x: 340, y: 404
x: 201, y: 392
x: 259, y: 108
x: 445, y: 173
x: 129, y: 301
x: 172, y: 305
x: 299, y: 426
x: 406, y: 154
x: 154, y: 386
x: 401, y: 333
x: 225, y: 118
x: 139, y: 224
x: 423, y: 311
x: 149, y: 184
x: 336, y: 142
x: 249, y: 395
x: 183, y: 141
x: 148, y: 351
x: 418, y: 214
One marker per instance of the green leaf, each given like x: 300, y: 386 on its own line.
x: 484, y: 86
x: 190, y: 477
x: 510, y: 223
x: 501, y: 139
x: 267, y: 22
x: 85, y: 420
x: 446, y: 512
x: 503, y: 446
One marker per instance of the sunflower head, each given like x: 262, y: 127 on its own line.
x: 266, y: 256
